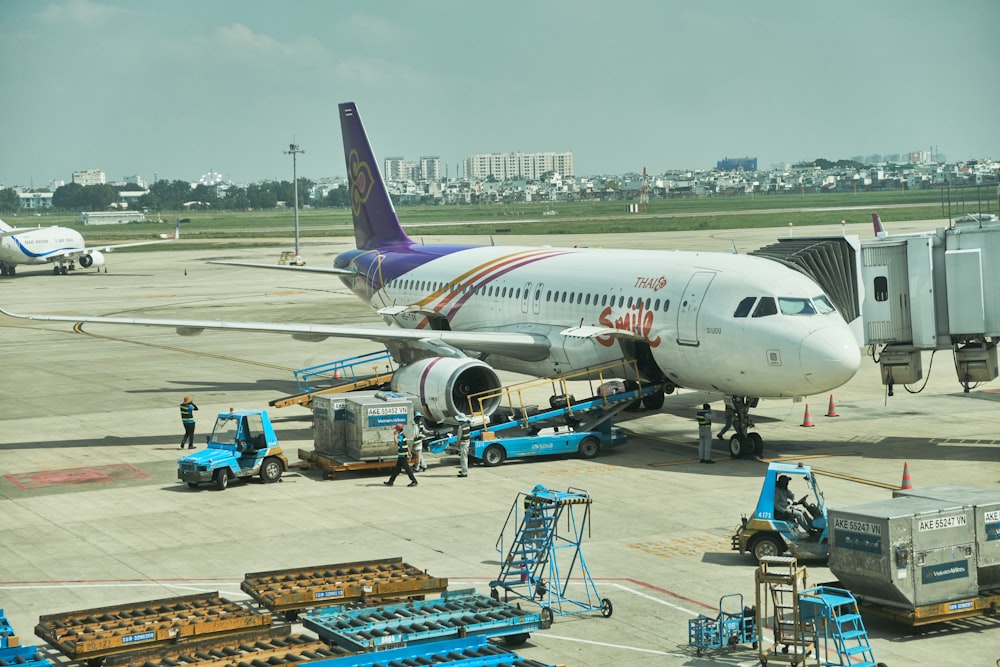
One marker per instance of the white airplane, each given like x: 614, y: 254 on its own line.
x: 738, y: 325
x: 59, y: 246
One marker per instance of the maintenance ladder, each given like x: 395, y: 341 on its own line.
x: 351, y: 374
x: 293, y: 589
x: 779, y: 580
x: 540, y: 561
x: 833, y: 617
x: 455, y: 615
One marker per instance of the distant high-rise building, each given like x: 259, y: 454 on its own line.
x: 737, y: 164
x: 399, y: 169
x: 430, y: 168
x: 89, y: 177
x: 507, y: 166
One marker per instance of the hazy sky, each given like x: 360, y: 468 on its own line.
x: 176, y: 88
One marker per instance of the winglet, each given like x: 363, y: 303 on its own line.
x: 880, y: 232
x: 375, y: 222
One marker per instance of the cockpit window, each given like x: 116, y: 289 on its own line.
x: 765, y: 307
x: 743, y: 309
x: 793, y: 306
x: 823, y: 304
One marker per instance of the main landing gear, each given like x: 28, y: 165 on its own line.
x: 744, y: 444
x: 62, y: 269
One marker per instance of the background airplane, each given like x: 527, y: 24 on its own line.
x: 739, y: 325
x: 61, y: 247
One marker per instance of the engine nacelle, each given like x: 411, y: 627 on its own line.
x: 94, y: 259
x: 444, y: 385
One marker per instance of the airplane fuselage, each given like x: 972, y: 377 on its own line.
x: 38, y: 246
x: 734, y: 324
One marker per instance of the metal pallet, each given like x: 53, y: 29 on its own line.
x: 468, y: 652
x: 362, y: 581
x: 12, y: 654
x: 541, y: 561
x: 455, y: 614
x: 94, y: 633
x: 275, y: 647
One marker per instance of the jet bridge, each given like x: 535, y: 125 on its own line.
x: 934, y: 291
x: 908, y: 293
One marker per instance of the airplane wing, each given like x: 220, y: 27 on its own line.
x: 523, y: 345
x: 292, y: 267
x: 79, y: 252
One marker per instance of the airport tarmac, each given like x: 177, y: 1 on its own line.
x: 93, y: 514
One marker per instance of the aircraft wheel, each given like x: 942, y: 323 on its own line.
x: 758, y: 444
x: 546, y: 618
x: 55, y: 270
x: 766, y: 545
x: 222, y: 479
x: 494, y: 455
x: 270, y: 470
x: 516, y: 640
x: 589, y: 447
x: 737, y: 447
x: 654, y: 401
x: 606, y: 608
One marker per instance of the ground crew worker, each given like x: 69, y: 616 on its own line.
x: 402, y: 458
x: 187, y: 419
x: 786, y: 507
x: 464, y: 440
x: 705, y: 416
x: 418, y: 443
x: 730, y: 411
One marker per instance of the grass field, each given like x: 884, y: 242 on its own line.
x: 539, y: 219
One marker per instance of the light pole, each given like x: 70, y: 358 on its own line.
x: 293, y: 150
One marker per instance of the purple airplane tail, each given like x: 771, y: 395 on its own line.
x: 375, y: 222
x: 879, y: 227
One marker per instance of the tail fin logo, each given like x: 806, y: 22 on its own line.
x: 362, y: 182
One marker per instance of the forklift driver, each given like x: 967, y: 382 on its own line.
x: 785, y: 507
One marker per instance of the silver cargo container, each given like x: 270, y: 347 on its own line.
x: 985, y: 506
x: 329, y: 421
x: 371, y: 416
x: 905, y: 552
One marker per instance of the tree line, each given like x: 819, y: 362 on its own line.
x: 180, y: 195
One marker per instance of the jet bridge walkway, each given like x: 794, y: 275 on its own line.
x: 349, y: 374
x: 585, y: 415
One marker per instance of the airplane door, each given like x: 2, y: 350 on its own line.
x: 525, y: 298
x: 690, y: 307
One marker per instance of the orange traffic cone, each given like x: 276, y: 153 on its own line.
x: 831, y: 411
x: 336, y: 374
x: 907, y: 483
x: 806, y: 419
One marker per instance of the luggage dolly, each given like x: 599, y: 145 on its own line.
x: 727, y: 629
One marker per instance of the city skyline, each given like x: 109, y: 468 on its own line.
x: 174, y: 90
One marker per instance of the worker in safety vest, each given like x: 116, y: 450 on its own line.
x: 705, y: 416
x: 464, y: 440
x: 402, y: 458
x: 418, y: 443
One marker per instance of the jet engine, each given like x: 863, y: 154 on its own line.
x: 95, y: 258
x: 444, y: 385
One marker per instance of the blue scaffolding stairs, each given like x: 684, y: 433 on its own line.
x: 349, y: 374
x: 832, y: 616
x: 540, y: 562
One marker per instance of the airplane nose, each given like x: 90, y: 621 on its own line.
x: 829, y: 357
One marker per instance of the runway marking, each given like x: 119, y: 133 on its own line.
x: 78, y: 328
x: 859, y: 480
x: 684, y: 546
x: 115, y: 472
